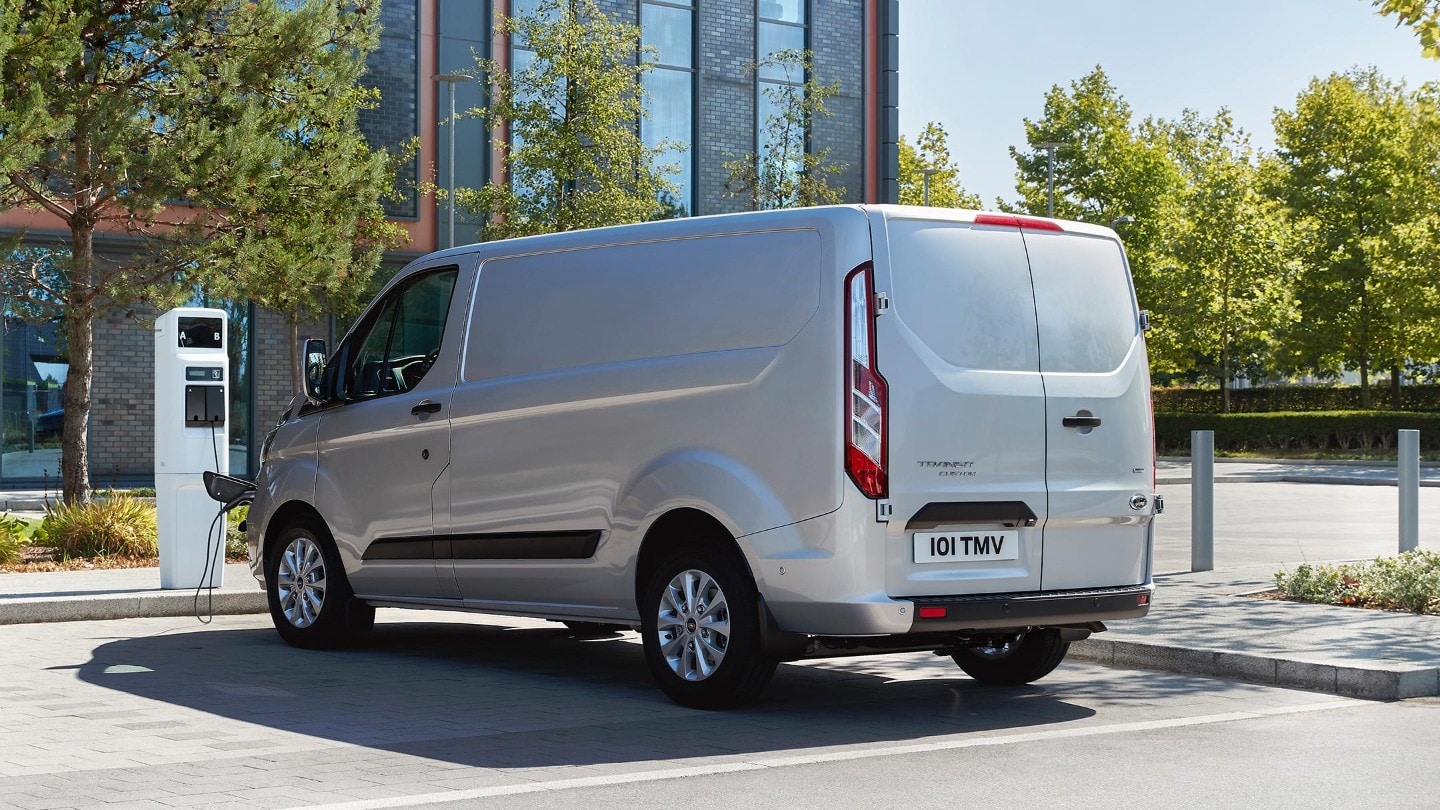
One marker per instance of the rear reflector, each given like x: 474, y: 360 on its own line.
x: 1142, y: 600
x: 933, y: 612
x: 1012, y: 221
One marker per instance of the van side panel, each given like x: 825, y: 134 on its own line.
x: 606, y: 384
x: 571, y: 309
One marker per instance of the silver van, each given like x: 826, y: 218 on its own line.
x: 754, y: 438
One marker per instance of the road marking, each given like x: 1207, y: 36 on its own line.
x: 825, y: 756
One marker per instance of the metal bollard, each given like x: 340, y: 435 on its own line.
x: 1202, y: 500
x: 1409, y: 481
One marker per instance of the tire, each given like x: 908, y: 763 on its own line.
x: 705, y: 655
x: 321, y: 611
x: 1034, y: 656
x: 595, y: 628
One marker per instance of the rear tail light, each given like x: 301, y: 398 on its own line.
x: 865, y: 392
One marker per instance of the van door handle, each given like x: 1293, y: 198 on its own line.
x: 426, y: 406
x: 1081, y: 421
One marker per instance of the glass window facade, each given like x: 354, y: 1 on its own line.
x: 781, y: 25
x: 33, y: 368
x: 669, y: 27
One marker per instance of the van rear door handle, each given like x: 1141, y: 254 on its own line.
x: 1081, y: 421
x: 426, y: 406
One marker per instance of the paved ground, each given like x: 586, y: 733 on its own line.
x: 165, y: 712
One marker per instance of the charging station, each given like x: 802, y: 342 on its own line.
x: 191, y: 402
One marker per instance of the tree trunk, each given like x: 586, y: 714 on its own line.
x: 1365, y: 379
x: 1395, y: 400
x: 1225, y: 381
x: 80, y: 334
x: 297, y: 372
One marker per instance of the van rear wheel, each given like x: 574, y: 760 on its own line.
x: 701, y: 631
x: 1023, y: 660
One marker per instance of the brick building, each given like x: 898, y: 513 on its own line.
x: 703, y: 92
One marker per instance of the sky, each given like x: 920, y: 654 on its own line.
x: 980, y: 68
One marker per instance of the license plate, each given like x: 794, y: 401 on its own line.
x: 989, y: 544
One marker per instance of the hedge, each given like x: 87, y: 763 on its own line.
x: 1312, y: 430
x: 1294, y: 398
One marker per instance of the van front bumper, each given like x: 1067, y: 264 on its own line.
x: 880, y: 615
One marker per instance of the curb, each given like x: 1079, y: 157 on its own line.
x: 34, y: 610
x: 1369, y: 680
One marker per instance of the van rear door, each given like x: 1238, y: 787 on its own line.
x: 1099, y: 450
x: 966, y: 407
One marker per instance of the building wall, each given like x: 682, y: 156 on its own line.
x: 394, y: 69
x: 725, y: 99
x: 122, y: 416
x: 836, y: 29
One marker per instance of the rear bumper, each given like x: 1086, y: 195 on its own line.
x: 882, y: 615
x: 996, y: 611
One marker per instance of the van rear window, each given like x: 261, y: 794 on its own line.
x: 965, y: 291
x: 1088, y: 319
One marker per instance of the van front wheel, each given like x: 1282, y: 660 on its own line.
x: 701, y: 631
x: 1028, y: 658
x: 310, y: 599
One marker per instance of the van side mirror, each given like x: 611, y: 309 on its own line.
x: 314, y: 355
x: 1144, y: 320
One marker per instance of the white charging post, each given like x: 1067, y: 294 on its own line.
x: 191, y: 403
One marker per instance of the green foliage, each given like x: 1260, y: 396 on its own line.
x: 577, y: 160
x: 1266, y: 399
x: 164, y: 122
x: 1423, y: 16
x: 1356, y: 165
x: 1315, y: 430
x: 1228, y: 267
x: 786, y: 172
x: 120, y: 526
x: 931, y: 152
x: 1409, y: 581
x: 235, y: 544
x: 14, y: 536
x: 1107, y: 168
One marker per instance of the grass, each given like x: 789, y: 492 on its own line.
x: 1409, y: 581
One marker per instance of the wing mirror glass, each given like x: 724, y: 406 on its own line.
x: 315, y: 355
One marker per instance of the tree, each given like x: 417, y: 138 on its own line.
x: 1106, y: 168
x: 310, y: 233
x: 1357, y: 173
x: 576, y: 159
x: 152, y: 120
x: 785, y: 172
x: 931, y: 153
x: 1231, y: 270
x: 1422, y: 16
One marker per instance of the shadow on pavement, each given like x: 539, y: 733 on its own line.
x: 491, y: 696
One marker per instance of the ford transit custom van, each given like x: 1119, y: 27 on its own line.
x: 752, y: 438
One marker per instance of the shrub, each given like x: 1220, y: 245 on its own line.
x: 1408, y: 581
x: 1319, y: 430
x: 121, y: 526
x: 235, y: 545
x: 12, y: 539
x: 1271, y: 399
